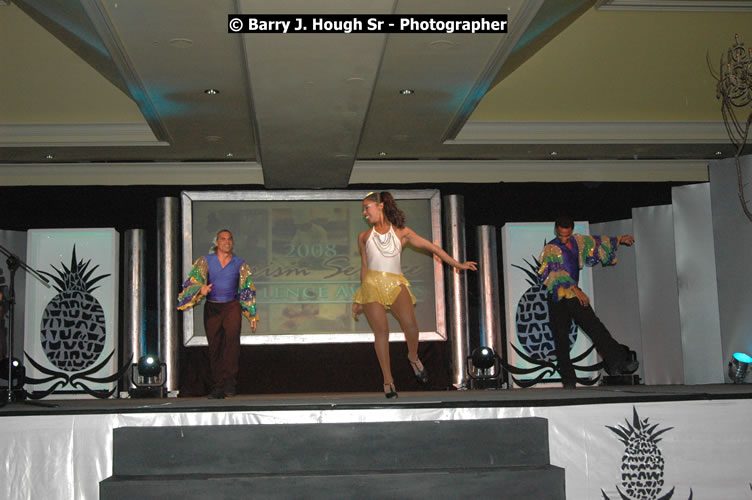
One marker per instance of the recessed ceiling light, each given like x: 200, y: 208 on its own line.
x: 211, y: 91
x: 718, y: 153
x: 50, y: 157
x: 181, y: 43
x: 406, y: 91
x: 441, y: 44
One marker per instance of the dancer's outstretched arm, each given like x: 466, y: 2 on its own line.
x: 414, y: 239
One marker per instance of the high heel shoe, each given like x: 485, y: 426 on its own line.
x: 392, y: 393
x: 419, y: 371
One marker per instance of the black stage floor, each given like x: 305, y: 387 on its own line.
x: 505, y: 398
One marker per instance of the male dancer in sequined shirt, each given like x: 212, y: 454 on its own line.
x: 561, y: 261
x: 225, y: 280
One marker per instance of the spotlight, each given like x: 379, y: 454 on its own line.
x: 148, y: 366
x: 148, y: 376
x: 484, y: 358
x: 738, y: 366
x: 17, y: 372
x: 484, y: 364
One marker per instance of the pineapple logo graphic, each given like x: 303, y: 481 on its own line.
x: 73, y: 334
x: 535, y: 337
x: 642, y: 464
x: 73, y: 323
x: 531, y: 319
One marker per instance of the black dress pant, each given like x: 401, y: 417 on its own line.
x: 561, y: 315
x: 222, y: 322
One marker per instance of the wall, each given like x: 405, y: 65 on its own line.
x: 732, y: 234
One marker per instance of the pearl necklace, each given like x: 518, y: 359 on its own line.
x: 385, y: 244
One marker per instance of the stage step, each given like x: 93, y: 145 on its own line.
x: 525, y: 483
x: 297, y: 460
x: 350, y: 446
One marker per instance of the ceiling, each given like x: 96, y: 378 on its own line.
x: 113, y: 92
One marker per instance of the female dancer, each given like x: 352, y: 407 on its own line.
x: 382, y: 285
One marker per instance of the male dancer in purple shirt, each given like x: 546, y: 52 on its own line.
x: 225, y: 280
x: 561, y: 261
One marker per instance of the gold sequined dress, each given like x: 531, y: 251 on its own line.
x: 384, y: 277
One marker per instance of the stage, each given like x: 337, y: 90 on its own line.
x: 502, y: 398
x: 65, y: 450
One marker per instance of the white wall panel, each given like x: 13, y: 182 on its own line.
x: 698, y: 292
x: 658, y: 297
x: 526, y: 312
x: 615, y: 289
x: 732, y: 233
x: 71, y: 326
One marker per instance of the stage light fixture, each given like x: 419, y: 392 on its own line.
x: 148, y: 366
x: 149, y: 377
x: 738, y: 367
x: 483, y: 357
x: 17, y: 372
x: 484, y: 364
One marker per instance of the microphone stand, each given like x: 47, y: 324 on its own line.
x: 14, y: 262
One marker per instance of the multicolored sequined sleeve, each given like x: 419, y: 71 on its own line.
x: 595, y: 249
x: 247, y: 293
x: 555, y: 277
x: 190, y: 295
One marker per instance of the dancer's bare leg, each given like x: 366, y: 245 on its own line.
x: 404, y: 310
x: 376, y: 315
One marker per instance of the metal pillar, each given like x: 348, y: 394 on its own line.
x: 488, y: 284
x: 457, y: 327
x: 167, y: 285
x: 134, y: 295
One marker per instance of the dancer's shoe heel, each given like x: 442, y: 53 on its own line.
x: 419, y: 370
x: 389, y: 391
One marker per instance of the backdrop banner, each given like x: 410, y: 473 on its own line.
x: 531, y: 356
x: 71, y: 326
x: 678, y: 450
x: 303, y: 249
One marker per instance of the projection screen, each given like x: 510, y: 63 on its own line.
x: 302, y: 247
